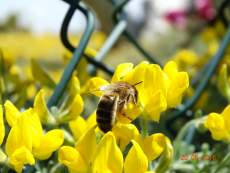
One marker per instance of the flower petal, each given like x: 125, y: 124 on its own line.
x: 91, y: 120
x: 226, y: 116
x: 216, y: 124
x: 121, y: 71
x: 178, y: 82
x: 124, y: 133
x: 11, y: 112
x: 154, y: 145
x: 155, y: 105
x: 19, y: 135
x: 20, y: 157
x: 71, y: 158
x: 40, y: 106
x: 108, y: 157
x: 136, y: 160
x: 86, y: 145
x: 50, y: 142
x: 93, y: 86
x: 77, y: 127
x: 76, y: 108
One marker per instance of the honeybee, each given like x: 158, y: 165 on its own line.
x: 114, y: 100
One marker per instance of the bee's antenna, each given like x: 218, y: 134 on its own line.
x: 137, y: 83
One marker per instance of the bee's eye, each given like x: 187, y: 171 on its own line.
x: 136, y: 95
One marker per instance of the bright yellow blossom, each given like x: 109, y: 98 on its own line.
x: 40, y: 106
x: 124, y: 133
x: 185, y: 58
x: 78, y: 159
x: 219, y: 124
x: 177, y: 82
x: 108, y: 157
x: 19, y: 144
x: 11, y: 113
x: 87, y: 156
x: 80, y: 125
x: 136, y: 160
x: 153, y: 145
x: 159, y: 88
x: 26, y: 140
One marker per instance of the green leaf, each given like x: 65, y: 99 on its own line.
x: 41, y: 75
x: 223, y: 83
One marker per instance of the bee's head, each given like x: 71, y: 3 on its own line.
x: 135, y: 91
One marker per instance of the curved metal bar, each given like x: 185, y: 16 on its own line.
x: 64, y: 28
x: 70, y: 47
x: 60, y: 88
x: 109, y: 43
x: 204, y: 82
x: 118, y: 11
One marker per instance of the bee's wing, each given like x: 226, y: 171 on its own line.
x: 100, y: 91
x: 108, y: 87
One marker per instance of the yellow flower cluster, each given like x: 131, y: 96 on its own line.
x: 219, y: 124
x: 89, y: 155
x: 96, y: 152
x: 26, y: 139
x: 159, y: 90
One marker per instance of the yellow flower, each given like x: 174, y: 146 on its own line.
x: 138, y: 156
x: 185, y: 58
x: 108, y: 157
x: 89, y: 157
x: 136, y: 160
x: 177, y: 83
x: 74, y: 110
x: 19, y: 144
x: 20, y: 157
x: 146, y: 149
x: 40, y: 106
x: 219, y: 124
x: 78, y: 159
x: 71, y: 158
x: 77, y: 127
x: 2, y: 127
x: 11, y: 112
x: 124, y: 133
x: 50, y: 142
x: 159, y: 88
x: 74, y: 105
x: 26, y: 140
x: 80, y: 125
x: 153, y: 145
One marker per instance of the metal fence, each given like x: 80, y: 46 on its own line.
x: 199, y: 82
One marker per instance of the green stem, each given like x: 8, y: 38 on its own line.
x: 223, y: 163
x: 180, y: 137
x: 3, y: 157
x: 166, y: 158
x: 5, y: 169
x: 56, y: 168
x: 144, y: 127
x: 182, y: 134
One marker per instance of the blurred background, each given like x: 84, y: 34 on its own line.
x: 186, y: 31
x: 154, y: 22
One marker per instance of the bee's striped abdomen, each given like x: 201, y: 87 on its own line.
x: 106, y: 112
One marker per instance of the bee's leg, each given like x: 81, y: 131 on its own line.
x: 122, y: 104
x: 131, y: 99
x: 124, y: 114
